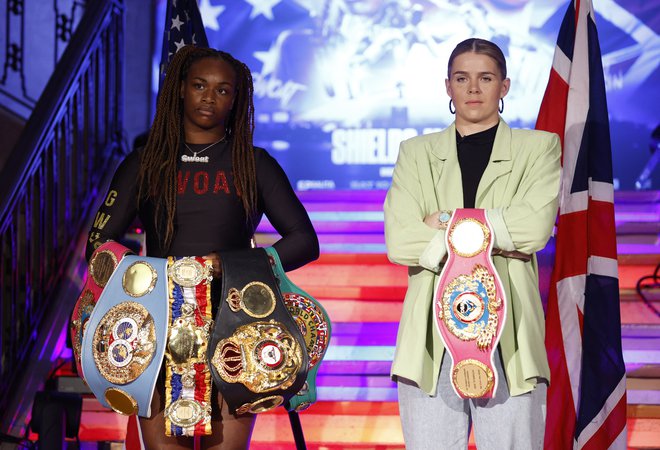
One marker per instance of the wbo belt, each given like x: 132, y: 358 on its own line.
x: 314, y: 324
x: 102, y: 264
x: 124, y: 342
x: 470, y: 305
x: 257, y: 353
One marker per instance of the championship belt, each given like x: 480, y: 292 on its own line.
x: 257, y: 354
x: 124, y: 343
x: 102, y: 264
x: 314, y: 324
x: 470, y: 305
x: 187, y: 376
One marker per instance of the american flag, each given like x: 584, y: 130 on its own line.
x: 183, y: 26
x: 587, y: 394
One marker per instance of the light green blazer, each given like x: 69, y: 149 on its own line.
x: 518, y: 190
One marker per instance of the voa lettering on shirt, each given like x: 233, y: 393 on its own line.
x: 202, y: 182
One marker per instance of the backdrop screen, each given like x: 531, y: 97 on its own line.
x: 339, y: 83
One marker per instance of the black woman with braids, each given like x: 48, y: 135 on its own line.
x: 199, y: 187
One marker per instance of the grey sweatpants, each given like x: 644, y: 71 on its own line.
x: 443, y: 421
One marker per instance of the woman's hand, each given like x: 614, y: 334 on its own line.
x: 215, y: 263
x: 438, y: 220
x: 432, y: 220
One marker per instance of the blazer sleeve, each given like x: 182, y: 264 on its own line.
x: 526, y: 223
x: 407, y: 237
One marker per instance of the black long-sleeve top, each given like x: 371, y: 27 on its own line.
x: 209, y: 213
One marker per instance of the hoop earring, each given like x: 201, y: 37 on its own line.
x: 453, y: 111
x: 501, y: 108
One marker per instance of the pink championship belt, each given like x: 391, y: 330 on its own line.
x: 103, y: 262
x: 470, y: 305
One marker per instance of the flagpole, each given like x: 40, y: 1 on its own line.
x: 296, y: 428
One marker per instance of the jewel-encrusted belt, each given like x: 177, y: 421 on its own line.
x: 187, y: 376
x: 257, y: 352
x: 123, y: 342
x: 470, y: 305
x: 314, y: 324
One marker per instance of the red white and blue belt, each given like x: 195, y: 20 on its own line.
x: 188, y: 380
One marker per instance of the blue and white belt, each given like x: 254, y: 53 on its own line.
x: 124, y: 342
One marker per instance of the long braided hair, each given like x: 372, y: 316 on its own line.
x: 157, y: 177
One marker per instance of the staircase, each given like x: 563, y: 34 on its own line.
x: 638, y: 237
x: 49, y: 184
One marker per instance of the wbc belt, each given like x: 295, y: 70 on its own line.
x: 257, y: 352
x: 470, y: 305
x: 314, y: 324
x: 124, y: 343
x: 102, y: 264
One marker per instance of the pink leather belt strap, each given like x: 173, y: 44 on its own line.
x: 470, y: 305
x: 102, y: 264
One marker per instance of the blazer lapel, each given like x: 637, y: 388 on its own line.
x: 447, y: 176
x: 500, y: 161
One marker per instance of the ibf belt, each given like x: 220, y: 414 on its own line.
x: 102, y: 264
x: 257, y: 352
x: 124, y: 342
x: 187, y: 376
x: 314, y: 324
x: 469, y: 304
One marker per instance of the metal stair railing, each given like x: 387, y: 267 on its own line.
x: 51, y: 181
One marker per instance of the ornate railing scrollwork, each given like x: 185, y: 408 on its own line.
x: 20, y: 84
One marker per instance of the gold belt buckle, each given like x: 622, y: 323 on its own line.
x: 188, y: 272
x: 186, y: 412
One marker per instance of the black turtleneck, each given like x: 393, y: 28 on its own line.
x: 473, y: 155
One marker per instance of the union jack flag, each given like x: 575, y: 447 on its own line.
x: 587, y: 394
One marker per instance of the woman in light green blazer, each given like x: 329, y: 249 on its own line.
x: 517, y: 183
